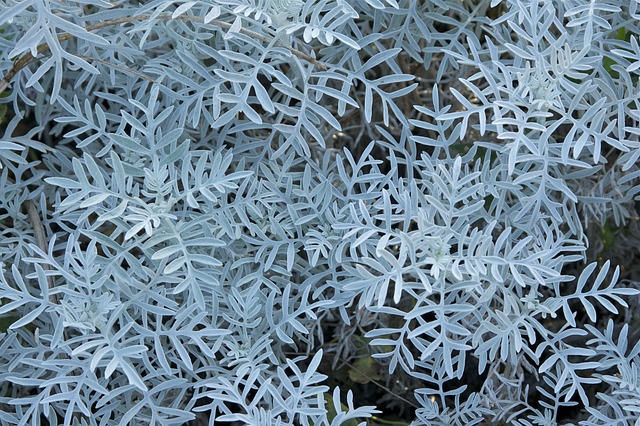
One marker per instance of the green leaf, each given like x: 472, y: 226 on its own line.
x: 364, y: 370
x: 3, y: 112
x: 608, y: 62
x: 608, y: 234
x: 6, y: 322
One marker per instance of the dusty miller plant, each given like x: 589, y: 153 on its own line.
x: 215, y: 199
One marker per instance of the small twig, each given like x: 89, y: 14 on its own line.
x: 121, y: 68
x: 41, y: 241
x: 215, y: 22
x: 27, y: 57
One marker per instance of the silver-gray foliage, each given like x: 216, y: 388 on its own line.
x: 212, y: 186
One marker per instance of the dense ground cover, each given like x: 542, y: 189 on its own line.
x: 287, y: 212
